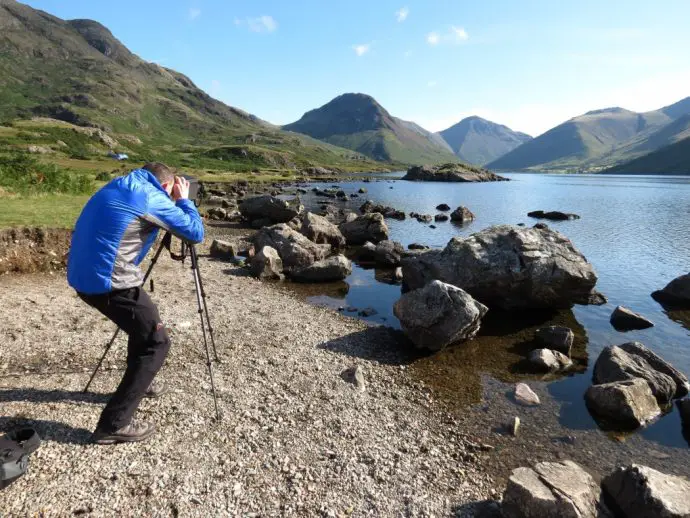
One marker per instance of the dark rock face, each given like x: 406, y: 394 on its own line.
x: 640, y: 492
x: 556, y: 338
x: 334, y: 268
x: 676, y: 292
x: 633, y: 360
x: 443, y: 207
x: 270, y: 208
x: 369, y: 227
x: 438, y: 315
x: 319, y: 230
x: 628, y: 404
x: 553, y: 215
x: 462, y: 215
x: 441, y: 217
x: 295, y: 250
x: 623, y: 319
x: 508, y: 267
x: 417, y: 246
x: 451, y: 173
x: 552, y: 490
x: 388, y: 253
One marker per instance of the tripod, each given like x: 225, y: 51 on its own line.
x: 201, y: 303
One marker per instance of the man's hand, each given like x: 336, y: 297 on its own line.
x: 180, y: 189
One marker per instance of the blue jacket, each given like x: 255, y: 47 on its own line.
x: 118, y: 226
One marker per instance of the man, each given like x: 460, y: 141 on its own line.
x: 113, y: 234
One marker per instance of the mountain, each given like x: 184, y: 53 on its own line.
x: 358, y: 122
x: 671, y: 159
x: 599, y: 139
x: 78, y: 72
x: 479, y: 141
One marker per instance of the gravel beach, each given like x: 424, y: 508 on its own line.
x: 299, y: 437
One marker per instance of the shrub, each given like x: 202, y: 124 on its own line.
x: 24, y: 174
x: 103, y: 176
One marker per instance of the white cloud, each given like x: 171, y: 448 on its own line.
x: 459, y: 34
x: 433, y: 38
x: 402, y: 14
x: 194, y: 13
x: 263, y: 23
x: 362, y: 49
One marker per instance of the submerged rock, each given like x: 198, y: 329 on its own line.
x: 556, y: 337
x: 639, y: 492
x: 267, y: 264
x: 451, y: 173
x: 334, y: 268
x: 525, y: 395
x: 509, y: 267
x: 552, y: 215
x: 294, y: 249
x: 271, y: 208
x: 623, y: 319
x: 462, y: 215
x: 547, y: 359
x: 552, y: 490
x: 438, y: 315
x: 629, y: 403
x: 676, y: 292
x: 369, y: 227
x: 319, y: 230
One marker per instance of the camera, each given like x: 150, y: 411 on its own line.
x: 194, y: 189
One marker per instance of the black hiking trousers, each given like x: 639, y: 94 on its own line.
x: 133, y: 311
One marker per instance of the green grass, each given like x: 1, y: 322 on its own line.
x: 21, y: 173
x: 49, y: 210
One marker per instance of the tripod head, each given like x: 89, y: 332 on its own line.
x: 185, y: 247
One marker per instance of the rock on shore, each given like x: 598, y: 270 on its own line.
x: 321, y: 231
x: 438, y: 315
x: 369, y: 227
x: 676, y: 292
x: 451, y: 173
x: 270, y: 208
x: 334, y: 268
x: 628, y: 404
x: 294, y: 249
x: 509, y: 267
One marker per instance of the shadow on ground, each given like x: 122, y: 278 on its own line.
x: 377, y: 343
x: 52, y: 396
x: 48, y: 430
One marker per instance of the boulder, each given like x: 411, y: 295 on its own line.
x: 676, y: 292
x: 627, y: 403
x: 388, y: 253
x: 556, y: 338
x: 552, y: 490
x: 452, y: 172
x: 294, y: 249
x: 223, y: 249
x: 369, y: 227
x: 335, y: 268
x: 417, y: 246
x: 424, y: 218
x: 267, y: 264
x: 215, y: 200
x: 337, y: 215
x: 388, y: 212
x: 462, y: 215
x: 525, y: 395
x: 265, y: 222
x: 319, y: 230
x: 443, y: 207
x: 216, y: 213
x: 271, y: 208
x: 633, y: 360
x: 441, y: 217
x: 438, y: 315
x: 508, y: 267
x: 552, y: 215
x: 622, y: 319
x: 366, y: 253
x: 640, y: 492
x: 549, y: 360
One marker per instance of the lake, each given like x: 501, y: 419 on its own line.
x: 635, y: 230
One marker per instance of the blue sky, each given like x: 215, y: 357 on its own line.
x: 529, y: 64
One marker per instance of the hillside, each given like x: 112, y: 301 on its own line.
x: 77, y: 72
x: 479, y: 141
x: 598, y: 139
x: 672, y: 159
x: 358, y: 122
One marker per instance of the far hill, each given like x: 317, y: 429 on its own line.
x: 78, y: 72
x: 597, y: 139
x: 672, y: 159
x: 479, y: 141
x: 358, y: 122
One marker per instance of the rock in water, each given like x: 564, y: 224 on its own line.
x: 271, y: 208
x: 267, y: 265
x: 626, y: 403
x: 319, y: 230
x: 552, y: 490
x: 676, y: 292
x: 334, y: 268
x: 633, y: 360
x: 388, y: 253
x: 684, y: 409
x: 549, y: 360
x: 462, y: 215
x: 525, y: 395
x: 223, y: 249
x: 369, y: 227
x: 438, y: 315
x: 294, y: 249
x: 509, y: 267
x: 622, y: 319
x: 443, y: 207
x: 451, y: 173
x: 640, y: 492
x: 556, y: 337
x: 553, y: 215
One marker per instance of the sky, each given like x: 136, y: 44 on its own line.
x: 528, y: 64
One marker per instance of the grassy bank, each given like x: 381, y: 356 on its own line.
x: 48, y: 210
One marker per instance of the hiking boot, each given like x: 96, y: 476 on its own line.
x: 134, y: 432
x: 155, y: 390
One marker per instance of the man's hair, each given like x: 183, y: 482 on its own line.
x: 161, y: 171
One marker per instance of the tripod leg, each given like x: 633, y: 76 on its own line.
x: 203, y: 297
x: 200, y: 303
x: 117, y: 331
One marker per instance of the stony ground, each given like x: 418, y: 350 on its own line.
x: 298, y: 437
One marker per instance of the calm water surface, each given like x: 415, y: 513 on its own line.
x: 634, y: 230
